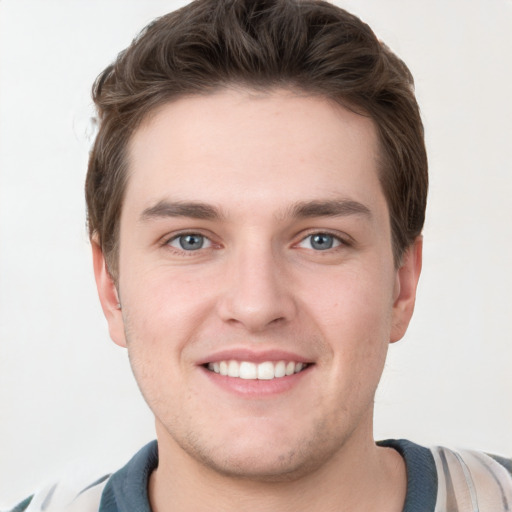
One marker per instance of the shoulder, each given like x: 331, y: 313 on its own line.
x: 67, y: 495
x: 441, y: 479
x: 122, y: 491
x: 473, y: 478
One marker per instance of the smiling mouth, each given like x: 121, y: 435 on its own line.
x: 267, y: 370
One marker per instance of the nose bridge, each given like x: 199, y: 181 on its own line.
x: 257, y: 291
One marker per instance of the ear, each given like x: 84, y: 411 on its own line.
x: 407, y: 277
x: 108, y: 294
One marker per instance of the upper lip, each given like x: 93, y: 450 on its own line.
x: 253, y: 356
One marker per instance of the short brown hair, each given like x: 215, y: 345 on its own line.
x: 306, y: 45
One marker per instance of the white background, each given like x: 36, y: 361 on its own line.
x: 66, y: 391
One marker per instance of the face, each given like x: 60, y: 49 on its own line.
x: 257, y: 282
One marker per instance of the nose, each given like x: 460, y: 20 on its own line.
x: 258, y: 290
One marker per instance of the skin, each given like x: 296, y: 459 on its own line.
x: 258, y: 284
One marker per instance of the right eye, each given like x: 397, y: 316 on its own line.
x: 190, y: 242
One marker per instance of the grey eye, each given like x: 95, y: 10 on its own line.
x: 190, y: 242
x: 320, y: 242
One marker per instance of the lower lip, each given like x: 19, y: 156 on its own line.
x: 250, y: 388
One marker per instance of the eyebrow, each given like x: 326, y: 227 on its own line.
x: 192, y: 209
x: 329, y: 208
x: 301, y: 209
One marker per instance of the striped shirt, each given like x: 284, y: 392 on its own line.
x: 438, y: 480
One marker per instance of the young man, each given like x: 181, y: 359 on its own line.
x: 256, y: 195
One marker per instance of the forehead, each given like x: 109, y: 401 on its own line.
x: 245, y: 148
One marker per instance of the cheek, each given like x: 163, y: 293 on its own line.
x: 163, y: 312
x: 161, y: 299
x: 355, y: 317
x: 154, y: 330
x: 356, y: 300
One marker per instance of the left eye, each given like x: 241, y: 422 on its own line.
x: 320, y: 241
x: 190, y: 242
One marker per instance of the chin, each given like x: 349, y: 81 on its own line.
x: 283, y: 467
x: 263, y: 458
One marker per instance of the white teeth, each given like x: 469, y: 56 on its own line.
x: 248, y: 370
x: 280, y: 369
x: 267, y: 370
x: 233, y: 369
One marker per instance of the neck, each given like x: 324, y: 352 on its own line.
x: 360, y: 477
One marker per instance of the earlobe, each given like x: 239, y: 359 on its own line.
x: 405, y: 289
x: 108, y: 296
